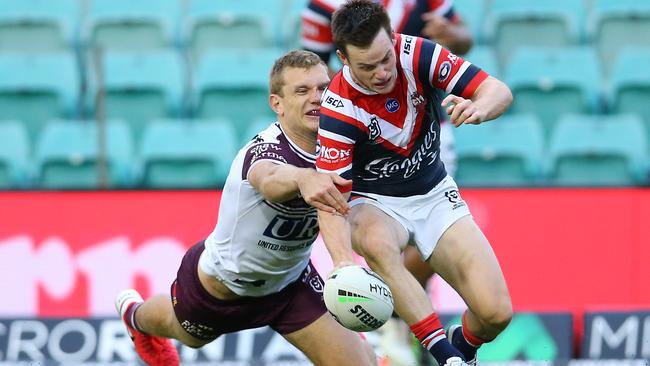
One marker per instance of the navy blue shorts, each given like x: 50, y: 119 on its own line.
x: 206, y: 317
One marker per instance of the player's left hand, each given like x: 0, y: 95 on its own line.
x: 436, y: 27
x: 461, y: 110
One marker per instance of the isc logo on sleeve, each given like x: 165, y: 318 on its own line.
x: 336, y: 103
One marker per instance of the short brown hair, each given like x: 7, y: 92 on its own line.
x: 298, y: 59
x: 357, y: 23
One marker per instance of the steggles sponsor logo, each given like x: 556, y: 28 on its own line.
x: 406, y: 167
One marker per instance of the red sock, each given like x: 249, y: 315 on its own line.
x: 430, y: 333
x: 473, y: 340
x: 427, y: 329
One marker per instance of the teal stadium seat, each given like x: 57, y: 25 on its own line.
x: 14, y: 155
x: 598, y: 150
x: 472, y: 12
x: 617, y: 24
x: 292, y: 23
x: 37, y: 88
x: 550, y: 82
x: 142, y: 86
x: 38, y: 25
x: 504, y: 152
x: 239, y: 95
x: 187, y: 154
x: 67, y: 155
x: 256, y: 127
x: 484, y: 57
x: 232, y: 24
x: 132, y: 24
x: 511, y: 24
x: 630, y: 86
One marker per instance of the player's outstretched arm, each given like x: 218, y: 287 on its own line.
x: 336, y: 233
x: 282, y: 182
x: 489, y: 101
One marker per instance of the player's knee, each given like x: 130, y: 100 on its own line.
x: 499, y: 316
x: 377, y: 250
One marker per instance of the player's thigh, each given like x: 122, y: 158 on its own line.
x: 374, y: 230
x: 464, y: 258
x: 182, y: 335
x: 413, y: 262
x: 325, y: 342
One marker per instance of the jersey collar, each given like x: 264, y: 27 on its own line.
x: 348, y: 77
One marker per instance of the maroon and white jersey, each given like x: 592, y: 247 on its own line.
x: 405, y: 16
x: 259, y: 247
x: 389, y: 144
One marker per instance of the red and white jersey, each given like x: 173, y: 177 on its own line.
x: 259, y: 247
x: 389, y: 144
x: 405, y: 16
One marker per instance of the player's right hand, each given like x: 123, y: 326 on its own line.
x: 341, y: 264
x: 319, y: 190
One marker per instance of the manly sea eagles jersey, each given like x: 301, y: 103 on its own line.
x: 389, y: 144
x: 259, y: 247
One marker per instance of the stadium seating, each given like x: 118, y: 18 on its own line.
x: 142, y: 86
x: 252, y: 130
x: 36, y: 88
x: 239, y: 95
x: 615, y: 25
x: 550, y: 82
x: 239, y: 24
x: 68, y: 156
x: 187, y: 154
x: 472, y: 13
x: 131, y: 24
x: 484, y: 58
x: 38, y: 25
x: 507, y: 151
x: 14, y: 155
x: 630, y: 86
x: 292, y: 23
x: 516, y: 23
x: 598, y: 150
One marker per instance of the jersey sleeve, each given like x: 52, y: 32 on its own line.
x: 444, y: 70
x: 265, y: 151
x: 337, y: 134
x: 316, y: 33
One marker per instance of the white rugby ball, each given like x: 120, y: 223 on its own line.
x: 358, y: 298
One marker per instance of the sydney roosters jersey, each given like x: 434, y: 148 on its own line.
x: 389, y: 144
x: 405, y: 16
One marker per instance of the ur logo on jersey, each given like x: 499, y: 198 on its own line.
x: 445, y: 71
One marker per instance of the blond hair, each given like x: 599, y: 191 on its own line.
x: 298, y: 59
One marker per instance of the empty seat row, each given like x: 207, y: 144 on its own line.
x: 46, y: 25
x: 141, y: 86
x: 609, y: 25
x: 71, y: 155
x: 583, y: 150
x: 136, y: 87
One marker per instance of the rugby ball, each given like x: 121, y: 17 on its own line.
x: 358, y: 298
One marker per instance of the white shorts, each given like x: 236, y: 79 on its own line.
x: 425, y: 217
